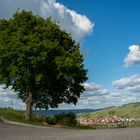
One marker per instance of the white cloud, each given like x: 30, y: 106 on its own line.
x: 133, y: 57
x: 92, y: 89
x: 122, y: 97
x: 71, y: 21
x: 8, y: 98
x: 95, y: 96
x: 76, y: 24
x: 131, y: 84
x: 91, y: 86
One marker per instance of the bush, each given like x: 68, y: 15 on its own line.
x: 121, y: 125
x: 66, y: 119
x: 51, y: 120
x: 1, y: 120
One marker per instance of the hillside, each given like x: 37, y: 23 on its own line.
x: 131, y: 110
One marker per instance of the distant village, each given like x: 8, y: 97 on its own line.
x: 108, y: 121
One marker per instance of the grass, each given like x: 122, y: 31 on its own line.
x: 19, y: 116
x: 61, y: 120
x: 128, y: 111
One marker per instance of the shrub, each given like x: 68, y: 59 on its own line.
x: 121, y: 125
x: 66, y: 119
x: 51, y: 120
x: 1, y: 120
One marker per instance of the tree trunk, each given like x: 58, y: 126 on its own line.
x: 28, y: 113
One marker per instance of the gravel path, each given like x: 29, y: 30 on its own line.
x: 18, y: 132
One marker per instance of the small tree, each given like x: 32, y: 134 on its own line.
x: 41, y: 62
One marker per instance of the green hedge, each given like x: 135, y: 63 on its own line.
x: 68, y: 119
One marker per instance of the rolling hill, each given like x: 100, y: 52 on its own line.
x: 131, y: 110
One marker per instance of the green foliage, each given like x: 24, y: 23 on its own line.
x: 134, y: 124
x: 51, y: 120
x: 1, y: 120
x: 121, y: 125
x: 85, y: 127
x: 37, y: 57
x: 68, y: 119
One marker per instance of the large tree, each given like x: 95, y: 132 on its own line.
x: 41, y: 61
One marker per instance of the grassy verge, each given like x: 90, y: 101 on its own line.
x: 19, y: 116
x: 134, y: 124
x: 61, y: 120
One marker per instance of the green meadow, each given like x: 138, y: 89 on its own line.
x: 129, y: 111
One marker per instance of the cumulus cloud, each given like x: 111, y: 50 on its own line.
x: 133, y: 56
x: 8, y: 98
x: 76, y: 24
x: 122, y: 97
x: 116, y: 98
x: 93, y: 89
x: 96, y: 96
x: 131, y: 84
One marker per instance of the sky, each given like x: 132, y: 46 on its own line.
x: 109, y: 34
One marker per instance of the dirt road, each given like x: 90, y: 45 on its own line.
x: 18, y: 132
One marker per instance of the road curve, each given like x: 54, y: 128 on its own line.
x: 18, y: 132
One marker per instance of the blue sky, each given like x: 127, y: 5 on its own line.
x: 109, y: 33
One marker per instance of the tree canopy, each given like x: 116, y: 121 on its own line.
x: 38, y: 57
